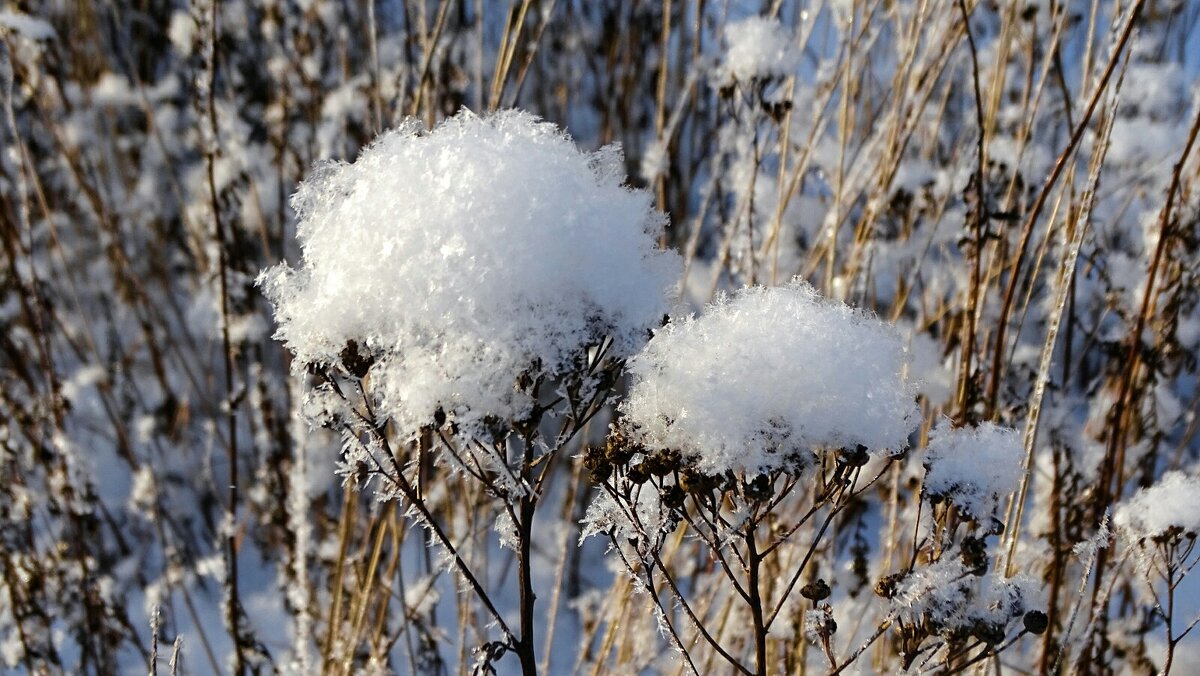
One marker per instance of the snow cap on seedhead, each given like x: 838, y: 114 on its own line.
x: 757, y: 48
x: 975, y: 468
x: 768, y: 374
x: 453, y: 261
x: 1168, y: 505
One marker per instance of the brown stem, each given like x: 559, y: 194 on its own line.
x: 1171, y: 641
x: 233, y: 611
x: 966, y: 381
x: 754, y: 560
x: 525, y: 646
x: 1056, y: 564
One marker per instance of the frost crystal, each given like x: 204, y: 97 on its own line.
x: 974, y: 468
x: 758, y: 48
x: 767, y: 374
x: 649, y: 517
x: 460, y: 258
x: 952, y: 599
x: 1170, y: 503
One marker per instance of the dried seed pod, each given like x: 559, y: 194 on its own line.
x: 597, y: 465
x: 1036, y: 622
x: 973, y: 552
x: 592, y: 458
x: 988, y: 632
x: 601, y: 473
x: 691, y: 481
x: 759, y: 488
x: 617, y: 449
x: 662, y: 463
x: 638, y: 474
x: 698, y: 483
x: 673, y: 497
x: 816, y: 591
x: 856, y: 457
x: 886, y: 586
x: 355, y: 363
x: 795, y: 462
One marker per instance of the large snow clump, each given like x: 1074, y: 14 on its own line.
x: 767, y: 374
x: 460, y: 258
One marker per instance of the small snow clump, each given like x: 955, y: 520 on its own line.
x: 26, y: 25
x: 974, y: 468
x: 953, y: 599
x: 449, y: 263
x: 757, y: 48
x: 1168, y: 504
x: 767, y: 375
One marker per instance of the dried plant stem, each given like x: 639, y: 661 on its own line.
x: 232, y: 396
x: 1066, y: 275
x: 979, y: 217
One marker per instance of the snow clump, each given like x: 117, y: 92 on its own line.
x: 451, y: 262
x: 768, y: 374
x: 1168, y: 504
x: 757, y: 48
x: 952, y: 599
x: 28, y: 26
x: 974, y: 468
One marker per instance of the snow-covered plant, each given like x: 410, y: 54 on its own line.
x: 757, y: 48
x: 772, y: 399
x: 762, y: 379
x: 470, y: 283
x: 1160, y: 525
x: 965, y: 608
x: 949, y: 591
x: 974, y: 469
x: 1167, y: 510
x: 450, y: 265
x: 777, y: 410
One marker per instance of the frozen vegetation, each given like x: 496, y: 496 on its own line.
x: 1154, y: 511
x: 459, y: 259
x: 758, y: 48
x: 767, y: 376
x: 431, y: 337
x: 973, y: 469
